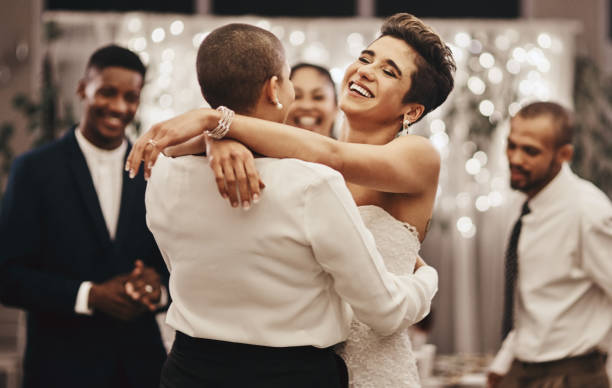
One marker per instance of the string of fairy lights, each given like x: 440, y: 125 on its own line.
x: 500, y: 67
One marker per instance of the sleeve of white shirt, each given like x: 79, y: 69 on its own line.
x: 163, y: 298
x: 503, y: 359
x: 597, y: 246
x: 345, y: 248
x: 81, y: 305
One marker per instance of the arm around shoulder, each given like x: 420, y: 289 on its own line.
x: 411, y: 164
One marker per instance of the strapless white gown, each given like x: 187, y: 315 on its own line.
x: 374, y: 361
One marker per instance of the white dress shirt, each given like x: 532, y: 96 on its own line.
x: 106, y: 170
x: 280, y: 274
x: 564, y: 285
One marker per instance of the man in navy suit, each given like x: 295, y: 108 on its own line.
x: 73, y: 237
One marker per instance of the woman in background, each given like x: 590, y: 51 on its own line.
x: 316, y: 103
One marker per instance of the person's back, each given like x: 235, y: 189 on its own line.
x: 240, y: 275
x: 259, y: 297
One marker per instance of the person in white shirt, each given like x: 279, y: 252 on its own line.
x: 558, y: 293
x: 260, y: 297
x: 73, y: 235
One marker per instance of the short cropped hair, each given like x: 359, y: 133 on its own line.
x: 234, y: 62
x: 561, y: 117
x: 432, y: 81
x: 115, y: 56
x: 319, y: 69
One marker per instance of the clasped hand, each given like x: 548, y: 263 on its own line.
x: 232, y: 163
x: 127, y: 296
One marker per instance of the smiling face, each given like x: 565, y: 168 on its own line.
x: 533, y: 156
x: 110, y: 99
x: 315, y: 107
x: 375, y: 84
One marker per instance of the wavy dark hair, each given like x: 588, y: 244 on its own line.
x: 433, y: 80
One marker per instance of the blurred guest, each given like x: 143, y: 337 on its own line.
x: 558, y: 304
x: 316, y: 103
x: 73, y: 235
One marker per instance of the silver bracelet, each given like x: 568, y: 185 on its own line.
x: 227, y: 115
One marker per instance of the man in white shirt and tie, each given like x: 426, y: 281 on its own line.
x: 558, y: 310
x: 261, y: 296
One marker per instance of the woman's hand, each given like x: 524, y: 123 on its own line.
x: 168, y: 133
x: 235, y: 173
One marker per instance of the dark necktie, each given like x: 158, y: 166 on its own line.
x: 512, y: 273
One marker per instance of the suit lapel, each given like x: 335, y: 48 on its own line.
x: 131, y: 191
x: 127, y: 194
x: 85, y: 186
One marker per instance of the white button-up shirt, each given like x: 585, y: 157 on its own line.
x: 564, y: 285
x: 106, y: 170
x: 282, y: 273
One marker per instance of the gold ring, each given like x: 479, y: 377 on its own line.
x: 148, y: 288
x: 152, y: 142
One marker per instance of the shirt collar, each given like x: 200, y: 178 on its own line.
x: 90, y: 149
x: 552, y: 190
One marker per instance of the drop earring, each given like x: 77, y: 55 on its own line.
x: 279, y: 106
x: 406, y: 124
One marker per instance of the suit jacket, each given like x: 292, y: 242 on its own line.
x: 53, y: 237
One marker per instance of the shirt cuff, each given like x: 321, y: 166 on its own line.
x: 163, y: 299
x: 430, y: 276
x: 503, y: 360
x: 82, y: 300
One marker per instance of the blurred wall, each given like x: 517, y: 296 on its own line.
x: 594, y: 15
x: 20, y: 29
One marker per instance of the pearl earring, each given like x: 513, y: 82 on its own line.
x: 279, y: 106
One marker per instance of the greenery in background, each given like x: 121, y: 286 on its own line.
x: 42, y: 119
x: 593, y: 129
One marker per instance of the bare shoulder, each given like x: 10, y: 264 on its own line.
x: 417, y: 150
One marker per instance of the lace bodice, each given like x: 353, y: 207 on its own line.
x: 374, y: 361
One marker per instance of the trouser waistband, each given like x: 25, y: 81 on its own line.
x: 222, y: 348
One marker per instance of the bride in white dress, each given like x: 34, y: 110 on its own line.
x: 374, y: 361
x: 400, y: 77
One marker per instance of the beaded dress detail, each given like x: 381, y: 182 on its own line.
x: 374, y: 361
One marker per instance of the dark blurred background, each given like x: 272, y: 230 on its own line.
x: 312, y: 8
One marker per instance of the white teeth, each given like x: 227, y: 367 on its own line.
x: 113, y: 121
x: 307, y: 120
x: 360, y: 90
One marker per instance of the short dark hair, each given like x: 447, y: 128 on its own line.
x: 432, y: 81
x: 561, y: 118
x: 234, y: 62
x: 319, y: 69
x: 116, y: 56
